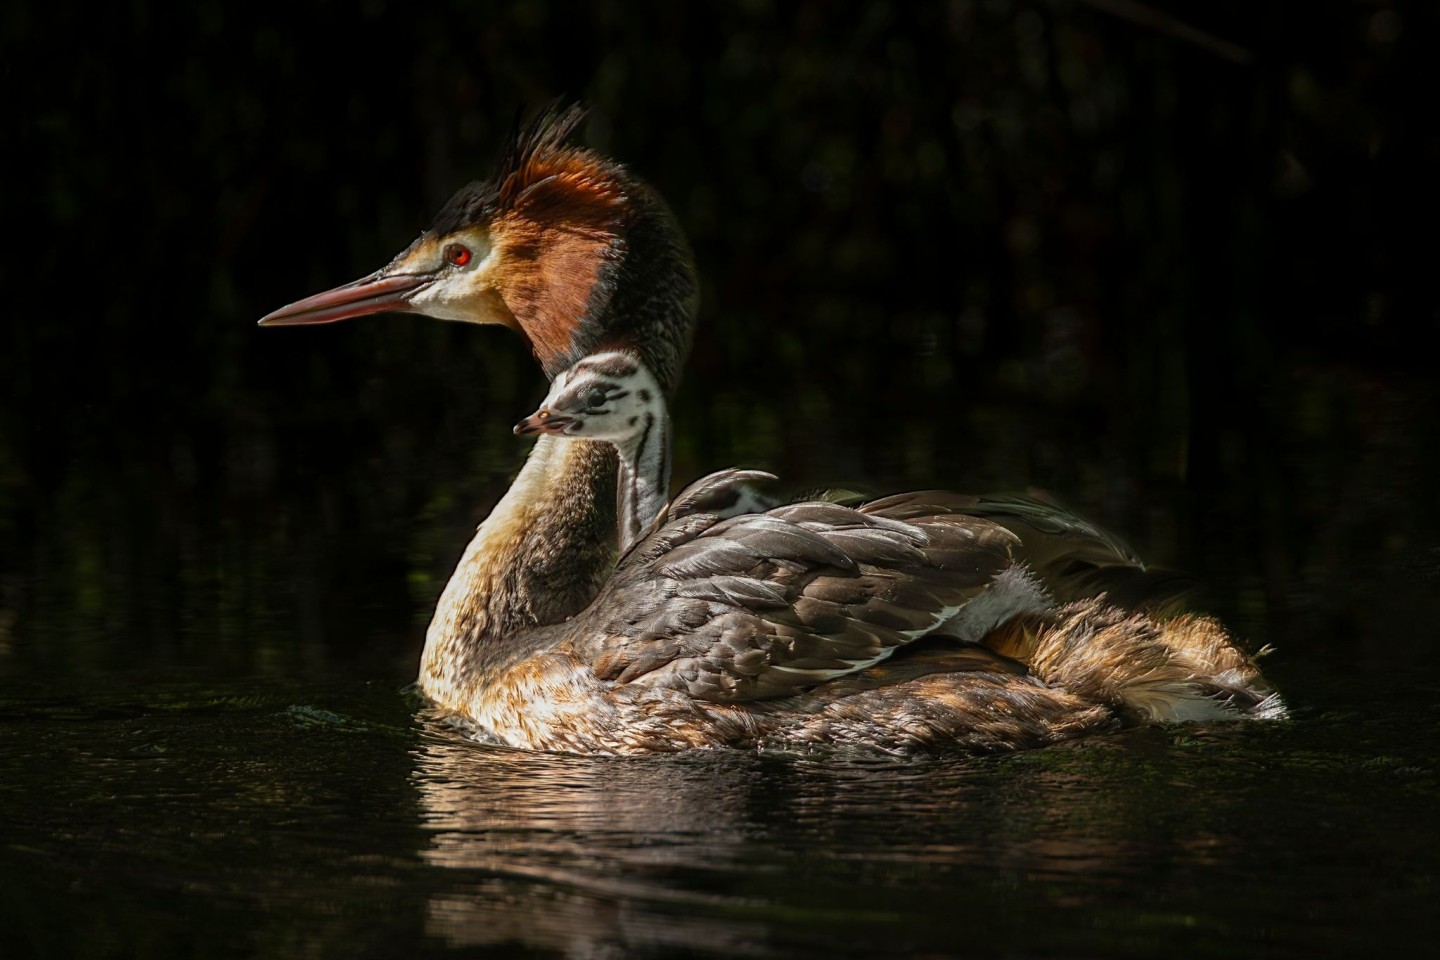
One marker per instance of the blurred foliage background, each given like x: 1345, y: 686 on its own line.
x: 1171, y: 262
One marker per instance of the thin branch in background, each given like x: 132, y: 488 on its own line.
x: 1147, y: 16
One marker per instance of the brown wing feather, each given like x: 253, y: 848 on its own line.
x: 1073, y: 557
x: 762, y: 605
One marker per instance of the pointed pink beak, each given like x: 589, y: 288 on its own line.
x: 372, y: 294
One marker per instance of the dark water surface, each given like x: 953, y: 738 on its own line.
x: 1164, y: 269
x: 322, y: 819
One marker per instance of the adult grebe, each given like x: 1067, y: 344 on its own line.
x: 575, y: 253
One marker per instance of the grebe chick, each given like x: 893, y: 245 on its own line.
x: 612, y: 397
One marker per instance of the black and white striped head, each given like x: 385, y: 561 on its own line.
x: 606, y: 396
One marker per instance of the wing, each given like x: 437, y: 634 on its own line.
x: 762, y: 605
x: 704, y: 503
x: 725, y: 493
x: 1073, y: 557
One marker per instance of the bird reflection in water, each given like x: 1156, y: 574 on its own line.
x: 590, y: 855
x: 570, y: 853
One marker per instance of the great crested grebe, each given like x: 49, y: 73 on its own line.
x: 687, y: 646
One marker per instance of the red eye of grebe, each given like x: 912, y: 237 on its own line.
x: 458, y: 255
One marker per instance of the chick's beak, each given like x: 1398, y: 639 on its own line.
x: 543, y: 421
x: 376, y: 293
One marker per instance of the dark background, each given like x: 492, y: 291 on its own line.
x: 1180, y: 274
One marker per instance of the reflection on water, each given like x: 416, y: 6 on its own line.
x: 273, y: 819
x: 583, y: 854
x: 1123, y: 845
x: 577, y: 849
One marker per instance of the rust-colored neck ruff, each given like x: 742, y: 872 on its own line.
x: 593, y: 258
x: 556, y: 251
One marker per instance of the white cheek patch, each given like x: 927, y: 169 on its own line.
x: 484, y: 253
x: 456, y: 292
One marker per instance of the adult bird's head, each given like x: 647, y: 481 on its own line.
x: 560, y: 244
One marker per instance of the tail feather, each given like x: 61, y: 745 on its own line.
x: 1147, y: 670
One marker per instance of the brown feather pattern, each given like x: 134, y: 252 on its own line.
x: 760, y: 606
x: 802, y: 629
